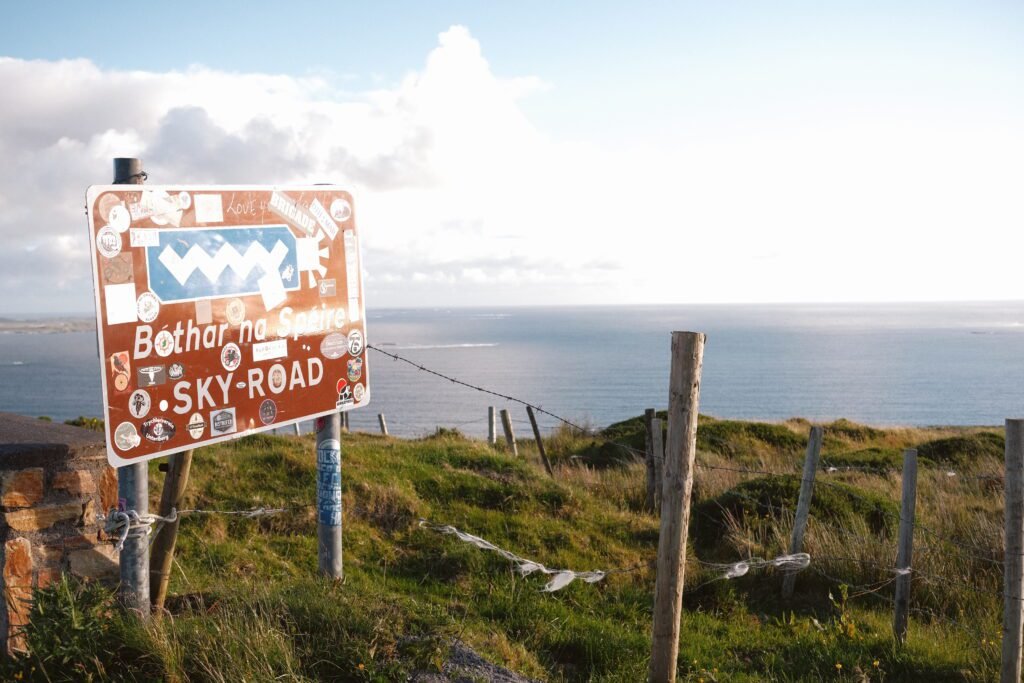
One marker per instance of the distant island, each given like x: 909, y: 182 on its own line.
x: 47, y: 325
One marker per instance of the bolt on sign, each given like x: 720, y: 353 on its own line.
x: 223, y: 311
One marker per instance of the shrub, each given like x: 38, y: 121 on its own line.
x: 959, y: 451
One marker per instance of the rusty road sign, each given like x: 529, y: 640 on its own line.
x: 223, y: 311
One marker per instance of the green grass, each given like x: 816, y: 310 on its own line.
x: 246, y: 603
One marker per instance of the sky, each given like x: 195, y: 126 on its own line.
x: 537, y: 153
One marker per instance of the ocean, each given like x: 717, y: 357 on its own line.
x: 898, y: 364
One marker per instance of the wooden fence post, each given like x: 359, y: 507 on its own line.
x: 540, y: 441
x: 651, y: 499
x: 133, y: 480
x: 344, y: 423
x: 803, y: 505
x: 658, y: 451
x: 492, y: 427
x: 510, y: 436
x: 383, y: 424
x: 161, y: 555
x: 905, y: 549
x: 1013, y: 567
x: 683, y: 400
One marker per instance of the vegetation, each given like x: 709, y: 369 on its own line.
x: 246, y: 603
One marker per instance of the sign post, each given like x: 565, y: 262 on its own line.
x: 328, y: 495
x: 223, y: 311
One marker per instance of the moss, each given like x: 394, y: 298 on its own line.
x: 876, y: 458
x: 776, y: 496
x: 853, y: 431
x: 959, y: 451
x: 734, y: 438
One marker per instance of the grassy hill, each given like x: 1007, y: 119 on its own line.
x: 246, y: 603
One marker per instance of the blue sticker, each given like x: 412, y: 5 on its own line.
x: 201, y: 263
x: 328, y: 482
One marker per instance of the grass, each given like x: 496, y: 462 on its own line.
x: 246, y: 603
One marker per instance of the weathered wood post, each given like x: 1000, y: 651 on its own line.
x: 297, y: 432
x: 651, y: 499
x: 328, y: 495
x: 510, y: 436
x: 905, y: 549
x: 803, y: 505
x: 492, y: 427
x: 161, y: 556
x: 540, y: 441
x: 344, y: 423
x: 658, y: 449
x: 133, y: 480
x: 683, y: 400
x: 1013, y: 567
x: 383, y: 424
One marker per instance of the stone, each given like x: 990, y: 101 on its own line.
x: 17, y: 589
x: 43, y: 516
x: 18, y: 562
x: 108, y: 488
x: 95, y: 562
x: 44, y: 577
x: 50, y: 555
x: 75, y: 482
x: 22, y: 488
x: 89, y: 512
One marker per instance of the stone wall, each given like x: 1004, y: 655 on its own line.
x: 54, y: 480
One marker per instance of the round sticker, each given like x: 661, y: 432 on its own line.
x: 125, y: 436
x: 184, y: 200
x: 355, y: 369
x: 106, y: 202
x: 268, y: 411
x: 277, y: 378
x: 139, y: 403
x: 158, y: 429
x: 355, y: 343
x: 163, y: 343
x: 121, y: 382
x: 196, y: 426
x: 108, y: 242
x: 341, y: 210
x: 231, y: 357
x: 118, y: 270
x: 334, y: 346
x: 235, y: 311
x: 148, y: 307
x: 176, y: 371
x: 358, y: 391
x: 119, y: 218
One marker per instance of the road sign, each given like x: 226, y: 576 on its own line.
x: 223, y: 311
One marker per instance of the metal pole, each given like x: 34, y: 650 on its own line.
x: 683, y: 400
x: 133, y: 480
x: 328, y: 495
x: 905, y: 549
x: 383, y: 424
x: 1013, y: 562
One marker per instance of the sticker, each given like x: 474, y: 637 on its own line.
x: 176, y: 371
x: 139, y: 403
x: 125, y: 436
x: 340, y: 385
x: 141, y: 237
x: 209, y: 208
x: 355, y: 343
x: 196, y: 426
x: 147, y: 307
x: 277, y: 378
x: 163, y: 343
x: 268, y: 412
x: 164, y: 405
x: 351, y: 248
x: 235, y: 312
x: 158, y: 430
x: 231, y: 356
x: 118, y: 217
x: 319, y: 424
x: 184, y: 200
x: 328, y: 482
x: 108, y: 242
x: 355, y: 369
x: 119, y: 269
x: 120, y: 369
x: 161, y: 207
x: 277, y: 348
x: 344, y: 395
x: 287, y: 209
x: 121, y: 382
x: 323, y: 218
x: 120, y: 301
x: 358, y: 391
x: 106, y: 202
x: 151, y: 375
x: 341, y: 210
x: 328, y: 287
x: 222, y: 421
x: 334, y: 346
x: 204, y: 312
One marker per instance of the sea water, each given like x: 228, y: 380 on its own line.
x: 910, y: 364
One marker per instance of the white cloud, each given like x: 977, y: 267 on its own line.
x: 461, y: 199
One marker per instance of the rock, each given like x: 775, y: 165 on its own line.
x: 463, y: 665
x: 43, y: 517
x: 97, y: 562
x: 75, y: 482
x: 22, y: 488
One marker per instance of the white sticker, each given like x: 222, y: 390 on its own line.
x: 148, y: 307
x: 341, y: 210
x: 306, y: 256
x: 352, y: 274
x: 277, y: 348
x: 163, y: 343
x: 204, y: 312
x: 139, y: 403
x: 272, y: 291
x: 323, y: 218
x: 196, y: 425
x: 144, y: 238
x: 209, y: 208
x: 119, y: 218
x: 231, y: 357
x: 121, y: 304
x: 108, y: 242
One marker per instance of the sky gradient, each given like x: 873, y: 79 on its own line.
x: 585, y: 153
